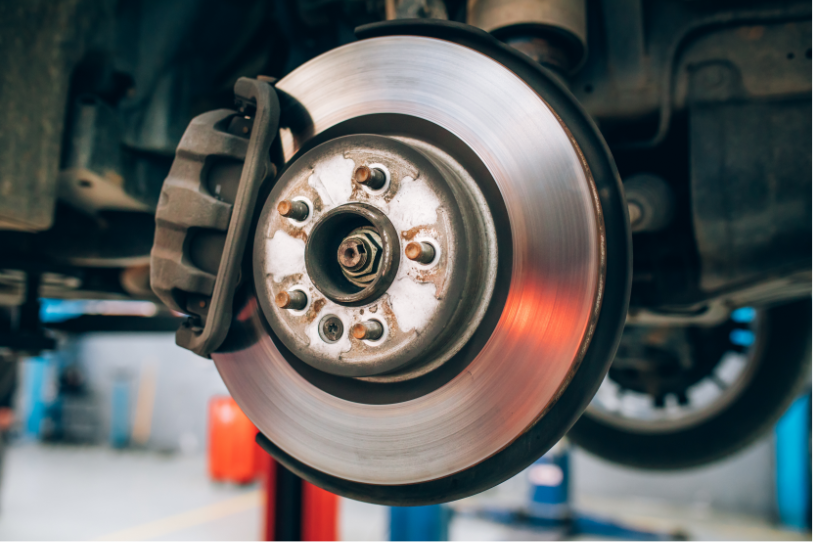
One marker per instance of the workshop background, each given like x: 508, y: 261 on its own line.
x: 110, y: 441
x: 688, y: 123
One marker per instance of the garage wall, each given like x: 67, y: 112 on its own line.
x: 743, y: 483
x: 184, y: 383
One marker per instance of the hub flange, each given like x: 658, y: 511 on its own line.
x: 349, y: 257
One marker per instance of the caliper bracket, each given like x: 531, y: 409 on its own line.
x: 188, y: 209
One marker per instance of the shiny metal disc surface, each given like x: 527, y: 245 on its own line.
x: 558, y: 258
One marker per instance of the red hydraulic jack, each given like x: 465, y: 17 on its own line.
x: 295, y: 509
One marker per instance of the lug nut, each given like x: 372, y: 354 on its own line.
x: 331, y: 328
x: 372, y: 178
x: 420, y: 252
x: 369, y: 330
x: 294, y: 300
x: 297, y: 210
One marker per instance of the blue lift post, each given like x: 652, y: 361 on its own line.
x: 419, y: 522
x: 793, y: 458
x: 33, y: 392
x: 120, y: 411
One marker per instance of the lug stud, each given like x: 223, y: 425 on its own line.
x: 420, y: 252
x: 294, y: 300
x: 369, y: 330
x: 372, y: 178
x: 297, y: 210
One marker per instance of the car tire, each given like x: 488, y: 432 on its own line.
x: 782, y: 372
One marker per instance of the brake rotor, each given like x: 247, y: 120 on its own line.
x: 493, y: 359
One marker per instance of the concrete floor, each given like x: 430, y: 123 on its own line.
x: 72, y: 493
x: 75, y: 493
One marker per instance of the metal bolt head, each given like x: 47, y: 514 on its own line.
x: 352, y: 253
x: 420, y: 252
x: 293, y: 300
x: 358, y: 255
x: 372, y: 178
x: 331, y: 328
x: 370, y: 330
x: 297, y: 210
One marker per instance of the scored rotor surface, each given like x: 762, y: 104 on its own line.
x: 556, y: 277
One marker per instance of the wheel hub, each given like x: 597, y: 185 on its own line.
x: 396, y: 245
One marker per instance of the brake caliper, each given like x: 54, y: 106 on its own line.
x: 205, y: 210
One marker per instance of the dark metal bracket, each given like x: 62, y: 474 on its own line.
x: 187, y: 207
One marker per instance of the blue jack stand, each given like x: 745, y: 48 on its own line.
x: 549, y: 508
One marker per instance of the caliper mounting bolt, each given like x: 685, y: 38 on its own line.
x: 294, y: 300
x: 420, y: 252
x: 297, y: 210
x: 369, y: 330
x: 372, y: 178
x: 331, y: 328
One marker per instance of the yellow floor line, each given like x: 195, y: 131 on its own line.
x: 199, y: 516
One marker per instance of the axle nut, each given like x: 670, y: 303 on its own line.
x: 359, y: 256
x: 352, y: 254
